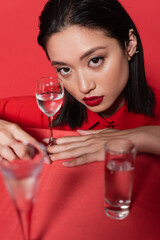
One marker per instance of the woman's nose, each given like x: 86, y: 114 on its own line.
x: 85, y: 83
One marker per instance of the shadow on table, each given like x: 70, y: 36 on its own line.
x: 144, y: 165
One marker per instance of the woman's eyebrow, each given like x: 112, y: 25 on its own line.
x: 53, y: 63
x: 91, y: 51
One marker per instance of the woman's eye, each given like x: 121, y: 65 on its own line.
x: 94, y: 62
x: 64, y: 71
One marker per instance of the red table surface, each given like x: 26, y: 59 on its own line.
x: 70, y: 203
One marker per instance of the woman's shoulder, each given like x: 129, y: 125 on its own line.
x: 17, y: 98
x: 16, y: 101
x: 16, y: 104
x: 21, y: 110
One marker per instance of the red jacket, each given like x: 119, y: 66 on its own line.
x: 25, y: 112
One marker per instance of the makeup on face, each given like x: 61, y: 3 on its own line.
x: 93, y: 67
x: 93, y: 101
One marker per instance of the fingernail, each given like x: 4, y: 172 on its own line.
x: 47, y: 160
x: 45, y: 140
x: 52, y: 157
x: 67, y: 164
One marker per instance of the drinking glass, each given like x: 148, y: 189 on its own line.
x: 49, y: 95
x: 120, y: 157
x: 21, y: 177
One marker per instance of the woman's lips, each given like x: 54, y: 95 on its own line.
x: 93, y: 101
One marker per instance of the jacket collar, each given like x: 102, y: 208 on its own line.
x: 96, y: 121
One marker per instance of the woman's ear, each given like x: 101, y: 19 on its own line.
x: 131, y: 45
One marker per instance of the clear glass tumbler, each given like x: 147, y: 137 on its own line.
x: 120, y: 157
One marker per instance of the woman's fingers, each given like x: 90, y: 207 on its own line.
x: 87, y: 132
x: 86, y: 135
x: 20, y: 134
x: 11, y: 138
x: 76, y: 150
x: 6, y: 137
x: 65, y: 146
x: 88, y: 147
x: 7, y: 153
x: 93, y: 157
x: 16, y: 150
x: 10, y: 133
x: 20, y: 150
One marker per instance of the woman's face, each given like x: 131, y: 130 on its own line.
x: 94, y: 68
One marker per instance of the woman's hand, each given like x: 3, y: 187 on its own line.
x: 86, y: 148
x: 10, y: 137
x: 89, y: 146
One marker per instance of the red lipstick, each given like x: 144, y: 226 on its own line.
x: 93, y: 101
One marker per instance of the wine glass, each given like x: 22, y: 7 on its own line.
x: 21, y: 177
x: 49, y: 95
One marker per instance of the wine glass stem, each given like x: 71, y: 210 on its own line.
x: 51, y: 139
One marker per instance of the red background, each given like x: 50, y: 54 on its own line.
x: 22, y: 61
